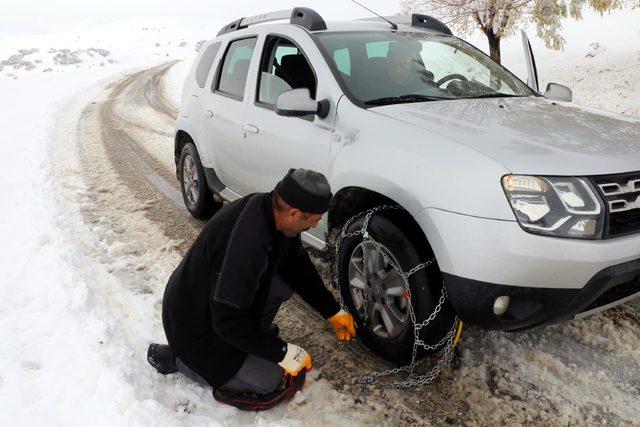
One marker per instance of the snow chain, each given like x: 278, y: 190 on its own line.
x: 412, y: 378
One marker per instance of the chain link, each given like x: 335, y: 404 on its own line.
x: 413, y: 378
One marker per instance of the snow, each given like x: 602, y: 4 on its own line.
x: 76, y: 328
x: 82, y: 287
x: 132, y: 42
x: 36, y: 16
x: 175, y: 79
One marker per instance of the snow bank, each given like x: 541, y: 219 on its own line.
x: 174, y: 79
x: 52, y: 371
x: 65, y: 360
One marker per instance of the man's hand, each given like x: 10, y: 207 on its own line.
x: 343, y: 325
x: 295, y: 360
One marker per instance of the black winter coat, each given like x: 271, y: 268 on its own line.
x: 215, y: 298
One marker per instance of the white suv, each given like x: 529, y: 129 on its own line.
x: 529, y: 204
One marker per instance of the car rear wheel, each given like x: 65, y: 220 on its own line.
x: 376, y: 296
x: 195, y: 192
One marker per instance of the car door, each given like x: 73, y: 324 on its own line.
x: 194, y: 91
x: 224, y: 110
x: 273, y: 144
x: 532, y: 70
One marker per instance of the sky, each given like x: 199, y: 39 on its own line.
x: 617, y: 30
x: 39, y: 16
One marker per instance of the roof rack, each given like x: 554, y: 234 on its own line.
x: 307, y: 18
x: 416, y: 20
x: 426, y: 21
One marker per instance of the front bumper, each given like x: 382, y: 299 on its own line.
x: 547, y: 279
x: 531, y: 307
x: 501, y: 252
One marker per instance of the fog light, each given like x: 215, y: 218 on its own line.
x: 500, y: 305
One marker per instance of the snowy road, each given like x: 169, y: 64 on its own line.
x: 136, y: 126
x: 136, y: 224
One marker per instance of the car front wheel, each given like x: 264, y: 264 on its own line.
x: 376, y: 295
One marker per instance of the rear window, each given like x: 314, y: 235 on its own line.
x: 233, y: 76
x: 204, y: 66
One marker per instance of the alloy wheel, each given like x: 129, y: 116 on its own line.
x: 190, y: 180
x: 377, y: 290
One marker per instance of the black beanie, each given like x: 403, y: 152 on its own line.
x: 305, y: 190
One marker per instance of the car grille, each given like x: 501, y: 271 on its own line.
x: 621, y: 193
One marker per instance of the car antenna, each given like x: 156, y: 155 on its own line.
x: 393, y: 26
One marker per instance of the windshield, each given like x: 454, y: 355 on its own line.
x: 379, y: 68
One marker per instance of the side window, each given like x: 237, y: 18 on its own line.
x: 343, y: 60
x: 202, y: 70
x: 233, y: 75
x: 283, y: 67
x: 377, y: 49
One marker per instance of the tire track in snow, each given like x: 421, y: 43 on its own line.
x: 155, y: 93
x: 137, y: 168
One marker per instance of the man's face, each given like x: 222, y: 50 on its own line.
x: 298, y: 221
x: 399, y: 66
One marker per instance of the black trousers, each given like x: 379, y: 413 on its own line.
x: 256, y: 374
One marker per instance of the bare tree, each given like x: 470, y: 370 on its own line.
x: 500, y: 18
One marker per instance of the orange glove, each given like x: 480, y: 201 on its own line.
x: 295, y: 360
x: 343, y: 325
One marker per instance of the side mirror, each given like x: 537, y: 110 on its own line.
x: 558, y: 92
x: 298, y: 103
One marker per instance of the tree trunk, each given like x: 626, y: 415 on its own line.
x: 494, y: 46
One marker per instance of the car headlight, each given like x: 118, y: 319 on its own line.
x: 555, y: 206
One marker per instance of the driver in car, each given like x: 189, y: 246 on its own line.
x: 406, y: 73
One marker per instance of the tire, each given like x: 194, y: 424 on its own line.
x: 196, y: 194
x: 393, y: 344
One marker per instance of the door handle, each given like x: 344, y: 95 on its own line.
x: 208, y: 113
x: 251, y: 128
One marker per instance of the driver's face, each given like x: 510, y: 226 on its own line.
x: 399, y: 66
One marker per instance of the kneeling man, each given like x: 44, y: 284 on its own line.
x: 220, y: 302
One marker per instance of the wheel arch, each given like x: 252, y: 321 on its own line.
x: 182, y: 138
x: 352, y: 199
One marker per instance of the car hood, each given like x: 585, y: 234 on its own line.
x: 531, y: 135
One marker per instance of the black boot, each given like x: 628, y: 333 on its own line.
x: 161, y: 357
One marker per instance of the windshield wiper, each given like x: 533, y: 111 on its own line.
x: 413, y: 97
x: 496, y: 95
